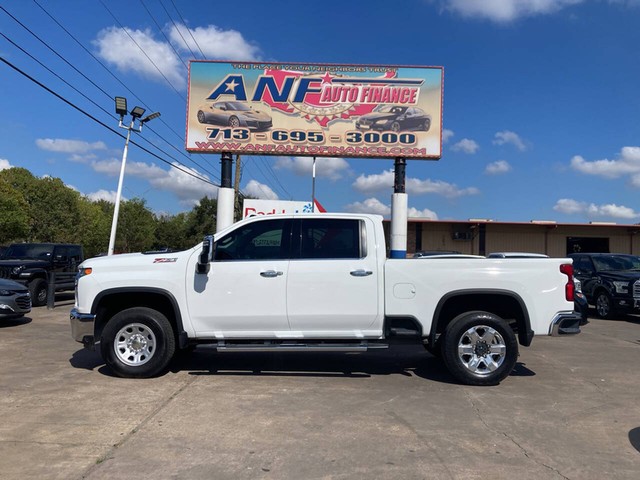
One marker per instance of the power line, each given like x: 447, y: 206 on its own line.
x: 189, y: 157
x: 164, y: 35
x: 188, y: 29
x: 143, y: 51
x: 71, y: 104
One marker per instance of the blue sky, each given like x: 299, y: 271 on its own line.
x: 541, y: 111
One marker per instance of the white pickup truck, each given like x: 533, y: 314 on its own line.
x: 318, y: 283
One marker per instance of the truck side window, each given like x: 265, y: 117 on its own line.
x: 266, y: 240
x: 331, y: 238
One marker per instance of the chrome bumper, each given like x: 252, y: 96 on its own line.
x: 565, y: 323
x: 82, y: 327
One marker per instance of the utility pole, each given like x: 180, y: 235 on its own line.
x: 236, y: 185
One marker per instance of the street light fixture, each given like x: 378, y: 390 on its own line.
x: 136, y: 114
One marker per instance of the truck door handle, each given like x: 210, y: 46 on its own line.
x: 361, y: 273
x: 270, y: 274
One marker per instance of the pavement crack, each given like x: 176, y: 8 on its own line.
x: 510, y: 438
x: 110, y: 453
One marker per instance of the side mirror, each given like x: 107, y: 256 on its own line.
x: 204, y: 260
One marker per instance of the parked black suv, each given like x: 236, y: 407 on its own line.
x: 610, y: 281
x: 33, y: 263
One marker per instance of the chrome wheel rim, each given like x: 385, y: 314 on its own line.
x: 482, y: 350
x: 602, y: 305
x: 134, y: 344
x: 234, y: 122
x: 201, y: 117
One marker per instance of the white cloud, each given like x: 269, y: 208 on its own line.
x: 505, y: 11
x: 591, y: 210
x: 466, y: 146
x: 506, y: 136
x: 497, y: 168
x: 447, y: 135
x: 109, y: 196
x: 214, y: 42
x: 426, y: 213
x: 256, y: 189
x: 373, y: 205
x: 4, y: 164
x: 138, y: 51
x: 628, y: 163
x: 329, y: 167
x: 384, y: 181
x: 188, y: 188
x: 68, y: 146
x: 370, y: 205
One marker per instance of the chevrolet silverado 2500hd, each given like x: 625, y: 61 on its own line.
x: 318, y: 283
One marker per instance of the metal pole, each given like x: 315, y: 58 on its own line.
x: 225, y: 194
x: 313, y: 186
x: 399, y: 204
x: 116, y: 208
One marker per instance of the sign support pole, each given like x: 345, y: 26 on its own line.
x: 313, y: 187
x: 399, y: 203
x: 225, y: 194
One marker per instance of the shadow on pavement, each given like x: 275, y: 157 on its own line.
x: 14, y: 322
x: 86, y: 359
x: 634, y: 438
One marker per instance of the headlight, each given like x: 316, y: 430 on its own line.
x: 5, y: 293
x: 621, y: 287
x: 83, y: 272
x: 16, y: 270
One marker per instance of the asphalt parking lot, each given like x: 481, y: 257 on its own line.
x: 570, y: 410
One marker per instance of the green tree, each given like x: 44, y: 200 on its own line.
x: 171, y: 232
x: 202, y: 219
x: 94, y: 226
x: 136, y: 227
x: 14, y: 217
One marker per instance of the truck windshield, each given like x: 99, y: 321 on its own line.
x: 29, y: 250
x: 616, y: 262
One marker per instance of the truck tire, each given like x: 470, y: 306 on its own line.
x: 604, y: 305
x: 138, y: 343
x: 38, y: 291
x: 479, y: 348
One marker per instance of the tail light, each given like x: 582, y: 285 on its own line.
x: 569, y: 288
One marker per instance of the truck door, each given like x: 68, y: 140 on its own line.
x: 245, y: 289
x: 332, y: 286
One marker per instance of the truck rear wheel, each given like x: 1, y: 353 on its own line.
x: 38, y: 291
x: 479, y: 348
x: 138, y: 343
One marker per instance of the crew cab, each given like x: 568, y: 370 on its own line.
x: 317, y: 282
x: 610, y: 281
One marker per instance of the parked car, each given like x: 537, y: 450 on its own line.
x: 610, y: 281
x: 15, y: 299
x: 395, y: 118
x: 234, y: 115
x: 31, y: 264
x: 579, y: 299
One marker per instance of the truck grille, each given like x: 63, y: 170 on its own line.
x: 24, y: 301
x: 636, y: 289
x: 5, y: 272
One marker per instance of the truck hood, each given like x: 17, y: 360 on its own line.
x: 27, y: 263
x: 132, y: 260
x: 622, y: 275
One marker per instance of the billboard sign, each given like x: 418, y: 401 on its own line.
x: 252, y: 207
x: 315, y: 110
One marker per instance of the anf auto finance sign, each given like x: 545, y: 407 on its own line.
x: 315, y: 110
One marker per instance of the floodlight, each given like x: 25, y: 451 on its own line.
x: 150, y: 117
x: 121, y: 106
x: 137, y: 112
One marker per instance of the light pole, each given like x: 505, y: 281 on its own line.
x: 136, y: 114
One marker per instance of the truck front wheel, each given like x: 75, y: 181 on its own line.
x: 38, y: 291
x: 479, y: 348
x: 138, y: 343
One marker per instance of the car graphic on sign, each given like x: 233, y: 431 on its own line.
x: 395, y: 118
x: 234, y: 115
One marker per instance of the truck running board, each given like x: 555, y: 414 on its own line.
x: 270, y: 346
